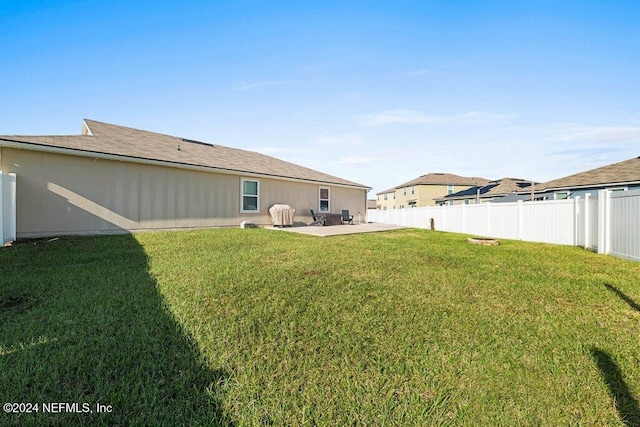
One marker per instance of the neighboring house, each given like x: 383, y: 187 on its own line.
x: 485, y: 193
x: 114, y: 179
x: 423, y: 190
x: 619, y: 176
x: 386, y: 199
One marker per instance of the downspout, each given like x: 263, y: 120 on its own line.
x: 365, y: 206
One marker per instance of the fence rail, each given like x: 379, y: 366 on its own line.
x: 7, y: 207
x: 608, y: 222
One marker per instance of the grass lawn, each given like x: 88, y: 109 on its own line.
x: 259, y: 327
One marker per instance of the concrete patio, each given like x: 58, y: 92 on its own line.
x: 337, y: 230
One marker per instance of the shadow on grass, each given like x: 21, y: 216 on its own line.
x: 82, y: 323
x: 624, y: 297
x: 626, y: 404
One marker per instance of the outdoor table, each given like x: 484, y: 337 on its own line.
x: 332, y: 218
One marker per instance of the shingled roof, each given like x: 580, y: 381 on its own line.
x: 444, y: 179
x: 496, y: 188
x: 139, y: 145
x: 625, y: 172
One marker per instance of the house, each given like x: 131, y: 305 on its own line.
x: 485, y: 193
x: 423, y: 190
x: 621, y: 176
x: 113, y: 179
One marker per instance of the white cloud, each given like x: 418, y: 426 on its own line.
x: 356, y: 160
x: 346, y: 139
x: 396, y: 116
x: 405, y: 116
x: 595, y: 134
x: 482, y: 117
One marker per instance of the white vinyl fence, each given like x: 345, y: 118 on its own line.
x: 7, y: 207
x: 622, y: 225
x: 608, y: 222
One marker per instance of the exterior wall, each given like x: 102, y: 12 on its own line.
x: 424, y: 195
x: 388, y: 204
x: 427, y: 193
x: 61, y: 194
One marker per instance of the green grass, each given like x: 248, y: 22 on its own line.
x: 259, y: 327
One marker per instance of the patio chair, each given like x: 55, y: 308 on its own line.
x: 317, y: 219
x: 346, y: 217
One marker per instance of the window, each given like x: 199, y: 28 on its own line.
x: 413, y: 189
x: 561, y: 195
x: 449, y: 189
x: 385, y: 196
x: 394, y: 195
x: 250, y: 199
x: 466, y: 201
x: 404, y: 191
x: 324, y: 200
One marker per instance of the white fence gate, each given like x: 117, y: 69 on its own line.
x: 7, y: 207
x: 607, y: 223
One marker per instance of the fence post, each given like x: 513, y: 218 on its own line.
x: 607, y: 206
x: 14, y: 207
x: 586, y: 219
x: 603, y: 222
x: 576, y: 222
x: 2, y: 218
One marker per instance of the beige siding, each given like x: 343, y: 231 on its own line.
x: 424, y: 195
x: 388, y: 204
x: 61, y: 194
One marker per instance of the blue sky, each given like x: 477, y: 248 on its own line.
x: 378, y: 92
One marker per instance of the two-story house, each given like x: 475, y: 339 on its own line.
x: 423, y: 190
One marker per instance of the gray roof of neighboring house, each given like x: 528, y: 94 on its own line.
x: 129, y: 143
x: 440, y: 179
x: 625, y: 172
x: 496, y: 188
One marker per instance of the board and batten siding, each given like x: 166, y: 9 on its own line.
x: 62, y: 194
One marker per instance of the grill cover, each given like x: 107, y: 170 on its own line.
x: 281, y: 215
